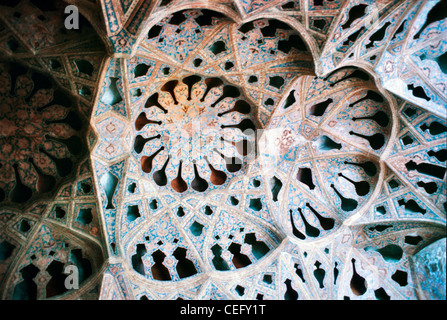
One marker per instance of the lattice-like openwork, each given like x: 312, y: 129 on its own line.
x: 233, y: 149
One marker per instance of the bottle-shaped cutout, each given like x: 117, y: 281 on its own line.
x: 245, y: 124
x: 20, y: 193
x: 372, y: 95
x: 327, y: 143
x: 45, y: 182
x: 346, y: 203
x: 275, y: 187
x: 258, y: 247
x: 55, y: 286
x: 218, y: 262
x: 361, y: 187
x: 137, y: 261
x: 356, y: 74
x: 63, y: 165
x: 290, y: 293
x: 426, y: 168
x: 239, y: 260
x: 378, y: 35
x: 159, y: 176
x: 140, y: 142
x: 190, y: 81
x: 441, y: 155
x: 146, y: 161
x: 73, y: 144
x: 310, y: 230
x: 437, y: 13
x: 354, y: 36
x: 380, y: 117
x: 169, y: 88
x: 336, y: 273
x: 429, y: 187
x: 304, y: 175
x: 228, y: 91
x: 297, y: 233
x: 358, y: 283
x: 356, y: 12
x: 112, y: 94
x: 185, y: 267
x: 325, y: 223
x: 243, y: 147
x: 435, y: 128
x: 376, y: 141
x: 319, y: 274
x: 210, y: 84
x: 217, y: 177
x: 240, y: 106
x: 72, y: 119
x: 142, y: 120
x: 391, y: 252
x: 109, y: 183
x: 178, y: 184
x: 198, y: 183
x: 299, y: 272
x: 369, y: 167
x: 158, y: 269
x: 411, y: 206
x: 152, y: 101
x: 233, y: 164
x: 27, y: 288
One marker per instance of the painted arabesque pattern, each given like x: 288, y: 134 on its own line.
x: 343, y: 197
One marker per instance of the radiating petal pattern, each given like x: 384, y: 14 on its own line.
x: 231, y: 149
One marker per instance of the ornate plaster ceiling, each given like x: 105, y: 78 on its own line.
x: 232, y: 149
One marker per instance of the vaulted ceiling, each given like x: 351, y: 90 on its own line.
x: 233, y: 149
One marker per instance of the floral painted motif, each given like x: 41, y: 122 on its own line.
x: 340, y: 194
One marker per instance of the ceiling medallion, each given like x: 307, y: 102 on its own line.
x: 201, y: 131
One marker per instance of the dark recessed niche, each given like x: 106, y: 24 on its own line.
x: 240, y: 290
x: 84, y: 67
x: 153, y: 204
x: 319, y: 23
x: 55, y: 64
x: 228, y: 65
x: 393, y: 184
x: 381, y: 209
x: 141, y: 70
x: 276, y: 81
x: 218, y: 47
x: 166, y: 71
x: 24, y: 226
x: 177, y: 18
x: 197, y: 62
x: 252, y: 79
x: 12, y: 44
x: 59, y: 212
x: 234, y: 201
x: 85, y: 216
x: 208, y: 210
x: 133, y: 212
x: 180, y: 212
x: 6, y: 250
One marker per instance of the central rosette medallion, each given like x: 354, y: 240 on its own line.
x: 195, y: 132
